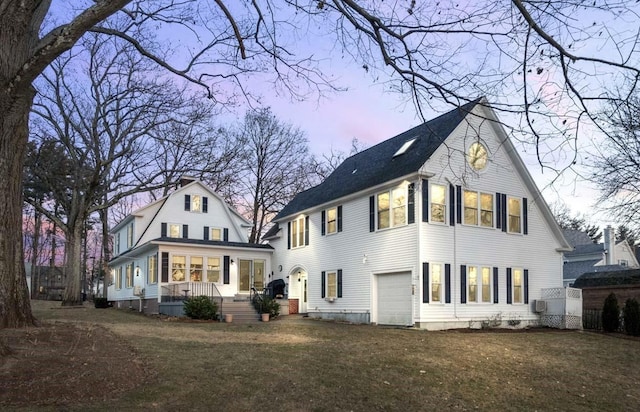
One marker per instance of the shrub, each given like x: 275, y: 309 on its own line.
x: 101, y: 303
x: 610, y: 314
x: 631, y: 317
x: 266, y: 304
x: 200, y: 307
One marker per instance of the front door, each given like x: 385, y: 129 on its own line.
x: 303, y: 294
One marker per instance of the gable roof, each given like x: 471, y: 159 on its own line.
x: 379, y: 164
x: 573, y: 270
x: 577, y: 237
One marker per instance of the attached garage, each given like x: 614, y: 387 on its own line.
x: 394, y: 295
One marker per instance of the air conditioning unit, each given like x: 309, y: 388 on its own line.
x: 539, y: 306
x: 138, y: 290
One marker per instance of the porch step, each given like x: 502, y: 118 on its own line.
x: 242, y: 311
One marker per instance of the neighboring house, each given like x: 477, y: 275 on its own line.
x: 188, y: 243
x: 439, y: 227
x: 596, y: 286
x: 46, y: 282
x: 587, y: 256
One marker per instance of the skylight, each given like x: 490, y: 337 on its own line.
x: 405, y: 147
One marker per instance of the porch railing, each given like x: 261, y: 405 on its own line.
x: 181, y: 291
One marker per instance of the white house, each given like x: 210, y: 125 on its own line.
x: 441, y: 226
x: 188, y: 243
x: 588, y: 257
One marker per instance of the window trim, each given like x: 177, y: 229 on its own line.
x: 479, y: 284
x: 478, y: 209
x: 129, y: 235
x: 191, y: 269
x: 129, y: 276
x: 390, y: 210
x: 335, y: 221
x: 193, y: 201
x: 328, y: 284
x: 513, y: 286
x: 297, y: 235
x: 210, y: 258
x: 172, y: 268
x: 169, y: 225
x: 152, y: 269
x: 211, y: 229
x: 520, y: 215
x: 118, y: 276
x: 432, y: 202
x: 441, y: 300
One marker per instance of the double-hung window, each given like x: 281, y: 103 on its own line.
x: 438, y: 203
x: 332, y: 284
x: 116, y: 243
x: 479, y: 281
x: 175, y: 230
x: 518, y: 286
x: 216, y: 234
x: 392, y: 208
x: 213, y: 269
x: 478, y: 208
x: 514, y: 213
x: 129, y: 281
x: 152, y: 269
x: 297, y: 232
x: 196, y: 203
x: 332, y: 220
x: 178, y: 267
x: 436, y: 282
x: 129, y: 235
x: 118, y: 275
x: 195, y: 269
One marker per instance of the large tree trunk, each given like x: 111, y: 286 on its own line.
x: 73, y: 265
x: 15, y: 307
x: 35, y: 251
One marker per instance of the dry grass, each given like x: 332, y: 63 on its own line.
x: 295, y: 364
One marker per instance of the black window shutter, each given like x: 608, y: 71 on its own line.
x: 225, y: 234
x: 339, y: 218
x: 205, y: 204
x: 447, y: 283
x: 163, y: 230
x: 495, y: 286
x: 526, y: 286
x: 459, y: 204
x: 339, y: 283
x: 372, y: 214
x: 322, y: 294
x: 185, y: 231
x: 187, y: 202
x: 323, y: 218
x: 452, y: 205
x: 498, y: 211
x: 509, y: 291
x: 525, y: 217
x: 165, y: 267
x: 411, y: 203
x: 504, y: 212
x: 306, y: 230
x: 463, y: 284
x: 205, y: 235
x: 425, y: 200
x: 225, y: 269
x: 288, y: 235
x: 425, y: 282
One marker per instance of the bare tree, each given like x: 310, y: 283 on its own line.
x: 548, y: 55
x: 106, y: 137
x: 616, y: 162
x: 276, y: 163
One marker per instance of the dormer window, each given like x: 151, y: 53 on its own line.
x: 405, y: 147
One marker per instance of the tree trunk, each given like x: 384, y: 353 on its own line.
x: 35, y: 250
x: 73, y: 265
x: 15, y: 307
x: 104, y: 254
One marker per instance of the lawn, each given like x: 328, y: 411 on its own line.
x: 116, y: 360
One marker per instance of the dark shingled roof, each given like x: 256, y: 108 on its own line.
x: 587, y: 249
x: 573, y: 270
x: 576, y: 237
x: 272, y: 231
x: 377, y: 165
x: 609, y: 278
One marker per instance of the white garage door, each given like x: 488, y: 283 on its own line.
x: 394, y: 299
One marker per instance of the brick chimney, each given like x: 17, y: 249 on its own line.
x: 185, y: 180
